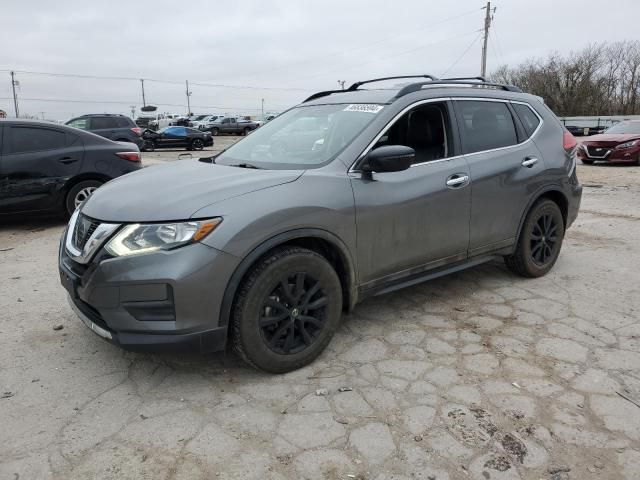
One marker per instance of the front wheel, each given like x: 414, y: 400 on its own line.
x: 79, y: 193
x: 215, y: 132
x: 540, y: 241
x: 197, y: 144
x: 246, y: 131
x: 148, y: 146
x: 287, y: 310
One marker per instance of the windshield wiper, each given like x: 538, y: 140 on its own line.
x: 245, y: 165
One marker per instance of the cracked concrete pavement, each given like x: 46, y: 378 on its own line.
x: 479, y: 375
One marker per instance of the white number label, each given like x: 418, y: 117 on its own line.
x: 363, y: 107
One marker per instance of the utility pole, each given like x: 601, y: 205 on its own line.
x: 14, y: 82
x: 188, y: 95
x: 144, y: 102
x: 487, y: 24
x: 263, y: 109
x: 341, y: 83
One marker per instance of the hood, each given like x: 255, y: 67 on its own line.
x: 176, y: 190
x: 608, y: 139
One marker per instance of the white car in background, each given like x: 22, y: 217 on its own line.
x: 162, y: 120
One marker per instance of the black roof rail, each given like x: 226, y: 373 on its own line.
x: 482, y: 79
x: 356, y: 85
x: 414, y: 87
x: 322, y: 94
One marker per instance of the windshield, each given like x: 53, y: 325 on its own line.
x: 625, y: 128
x: 303, y: 137
x: 201, y: 117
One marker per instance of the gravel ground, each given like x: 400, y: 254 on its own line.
x: 479, y: 375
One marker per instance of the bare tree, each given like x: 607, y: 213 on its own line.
x: 601, y: 79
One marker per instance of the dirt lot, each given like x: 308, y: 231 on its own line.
x: 480, y: 375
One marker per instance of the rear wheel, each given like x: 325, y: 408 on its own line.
x: 540, y: 241
x: 287, y: 310
x: 79, y: 193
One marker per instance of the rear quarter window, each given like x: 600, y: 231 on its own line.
x: 529, y: 119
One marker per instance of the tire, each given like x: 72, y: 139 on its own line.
x: 215, y: 132
x: 287, y: 339
x: 197, y: 144
x: 586, y: 162
x: 540, y: 241
x: 246, y: 131
x: 79, y: 193
x: 148, y: 146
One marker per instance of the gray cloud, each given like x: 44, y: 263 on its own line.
x: 296, y: 46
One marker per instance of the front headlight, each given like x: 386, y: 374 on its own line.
x: 627, y: 144
x: 136, y: 238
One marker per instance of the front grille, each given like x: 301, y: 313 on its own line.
x: 597, y: 152
x: 84, y: 228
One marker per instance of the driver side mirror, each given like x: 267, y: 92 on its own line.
x: 389, y: 158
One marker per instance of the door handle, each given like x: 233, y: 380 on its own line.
x: 457, y: 180
x: 529, y: 162
x: 67, y: 160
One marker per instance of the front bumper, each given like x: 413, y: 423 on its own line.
x: 609, y: 154
x: 166, y: 299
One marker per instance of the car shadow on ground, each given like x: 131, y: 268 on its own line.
x: 442, y: 294
x: 31, y: 223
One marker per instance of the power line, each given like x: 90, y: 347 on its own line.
x: 461, y: 56
x: 117, y: 102
x: 156, y: 80
x: 399, y: 54
x: 367, y: 45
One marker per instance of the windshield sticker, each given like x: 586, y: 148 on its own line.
x: 363, y: 107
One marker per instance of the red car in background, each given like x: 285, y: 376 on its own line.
x: 620, y: 143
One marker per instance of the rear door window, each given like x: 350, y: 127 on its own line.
x: 99, y: 123
x: 529, y: 119
x: 485, y: 125
x: 35, y: 139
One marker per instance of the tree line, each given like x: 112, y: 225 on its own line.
x: 601, y: 79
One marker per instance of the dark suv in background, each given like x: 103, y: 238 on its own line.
x: 119, y: 128
x: 373, y: 190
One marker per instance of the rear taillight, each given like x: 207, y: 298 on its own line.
x: 131, y: 156
x: 137, y: 131
x: 569, y: 142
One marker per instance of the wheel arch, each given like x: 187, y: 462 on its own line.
x: 553, y: 193
x: 320, y: 241
x: 83, y: 177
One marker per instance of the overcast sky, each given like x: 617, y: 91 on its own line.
x: 292, y: 47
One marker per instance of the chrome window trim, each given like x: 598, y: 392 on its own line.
x: 388, y: 126
x: 540, y: 119
x: 444, y: 99
x: 95, y: 241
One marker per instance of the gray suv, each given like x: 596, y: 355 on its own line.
x: 266, y: 244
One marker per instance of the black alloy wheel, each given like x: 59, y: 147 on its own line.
x: 293, y: 314
x: 539, y: 242
x: 286, y: 310
x: 197, y: 144
x: 543, y: 239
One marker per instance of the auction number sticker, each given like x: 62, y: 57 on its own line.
x: 363, y: 107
